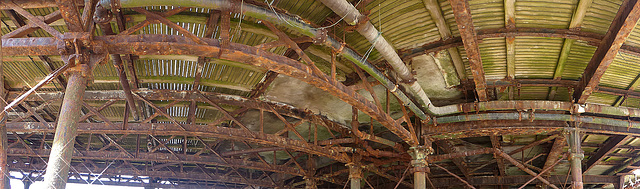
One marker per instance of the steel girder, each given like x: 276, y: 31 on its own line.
x: 610, y: 125
x: 453, y: 109
x: 201, y: 131
x: 191, y: 173
x: 210, y: 130
x: 331, y: 148
x: 592, y: 39
x: 513, y: 127
x: 238, y: 53
x: 179, y: 45
x: 511, y: 180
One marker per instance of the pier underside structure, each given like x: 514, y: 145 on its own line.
x: 320, y: 93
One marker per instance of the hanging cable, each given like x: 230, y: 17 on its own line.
x: 320, y: 28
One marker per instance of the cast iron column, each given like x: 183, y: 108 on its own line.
x: 4, y: 170
x: 310, y: 183
x: 27, y: 184
x: 575, y: 148
x: 420, y: 166
x: 309, y: 179
x: 355, y: 175
x: 63, y: 142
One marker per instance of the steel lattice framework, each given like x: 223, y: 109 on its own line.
x: 153, y: 145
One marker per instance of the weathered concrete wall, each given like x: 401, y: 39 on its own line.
x: 302, y: 95
x: 431, y: 77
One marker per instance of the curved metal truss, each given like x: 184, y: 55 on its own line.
x: 205, y: 146
x: 172, y: 145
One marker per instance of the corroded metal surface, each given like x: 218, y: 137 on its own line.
x: 177, y: 45
x: 63, y: 144
x: 162, y: 127
x: 556, y: 179
x: 469, y: 39
x: 622, y: 25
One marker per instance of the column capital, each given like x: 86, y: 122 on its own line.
x: 419, y: 158
x: 310, y: 182
x: 579, y: 156
x: 574, y: 140
x: 355, y: 170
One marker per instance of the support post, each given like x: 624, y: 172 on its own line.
x: 575, y: 157
x: 27, y: 184
x: 122, y: 75
x: 420, y: 166
x: 63, y: 143
x: 620, y: 183
x: 310, y: 183
x: 4, y: 171
x: 355, y: 175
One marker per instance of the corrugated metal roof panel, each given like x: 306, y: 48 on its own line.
x: 447, y: 12
x: 563, y: 94
x: 532, y: 93
x: 602, y: 98
x: 631, y: 102
x: 465, y: 60
x: 579, y: 57
x: 599, y: 15
x: 487, y: 13
x: 494, y: 59
x: 634, y: 37
x: 622, y: 71
x: 544, y: 13
x: 405, y: 24
x: 313, y: 11
x: 27, y: 74
x: 537, y: 57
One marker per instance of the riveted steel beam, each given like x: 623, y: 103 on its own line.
x: 609, y: 146
x: 455, y: 109
x: 520, y: 179
x: 620, y: 28
x: 589, y: 37
x: 513, y: 127
x: 178, y: 45
x: 192, y: 131
x: 163, y: 173
x: 556, y: 149
x: 4, y: 172
x: 462, y: 13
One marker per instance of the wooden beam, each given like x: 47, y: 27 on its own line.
x: 575, y: 24
x: 447, y: 147
x: 554, y: 153
x: 212, y: 23
x: 495, y: 143
x: 445, y: 33
x: 71, y: 15
x: 612, y: 144
x: 510, y: 41
x: 625, y: 165
x: 630, y: 89
x: 193, y: 106
x: 468, y: 33
x: 510, y: 24
x: 620, y: 28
